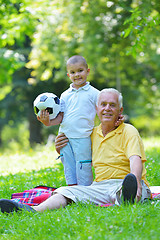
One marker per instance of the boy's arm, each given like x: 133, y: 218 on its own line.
x: 120, y: 120
x: 57, y: 120
x: 44, y: 118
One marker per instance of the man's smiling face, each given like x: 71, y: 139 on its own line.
x: 108, y: 108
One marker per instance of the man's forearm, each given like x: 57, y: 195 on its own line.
x: 60, y: 142
x: 136, y: 166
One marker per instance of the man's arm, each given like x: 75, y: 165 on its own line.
x: 60, y: 141
x: 136, y: 168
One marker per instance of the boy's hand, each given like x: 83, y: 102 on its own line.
x: 120, y: 120
x: 44, y: 117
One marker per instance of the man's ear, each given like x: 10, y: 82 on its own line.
x: 121, y: 110
x: 96, y: 109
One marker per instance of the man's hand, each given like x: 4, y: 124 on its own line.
x: 44, y: 117
x: 139, y: 192
x: 60, y: 141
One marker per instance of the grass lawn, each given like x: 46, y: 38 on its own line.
x: 21, y: 171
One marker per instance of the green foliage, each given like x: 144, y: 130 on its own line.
x: 10, y: 61
x: 13, y: 141
x: 142, y: 26
x: 78, y: 27
x: 119, y: 39
x: 142, y: 29
x: 146, y: 125
x: 17, y: 26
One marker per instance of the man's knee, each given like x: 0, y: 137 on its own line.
x: 61, y: 200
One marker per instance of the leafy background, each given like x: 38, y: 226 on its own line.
x: 120, y: 40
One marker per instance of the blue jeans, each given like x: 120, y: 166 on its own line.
x: 76, y: 157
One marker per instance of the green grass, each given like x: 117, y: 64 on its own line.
x: 21, y: 171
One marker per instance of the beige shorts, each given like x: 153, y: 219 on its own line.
x: 107, y: 191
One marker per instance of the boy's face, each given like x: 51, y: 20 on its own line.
x: 78, y: 73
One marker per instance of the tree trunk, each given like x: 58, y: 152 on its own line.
x: 34, y: 130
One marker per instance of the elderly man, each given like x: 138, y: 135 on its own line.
x: 118, y: 159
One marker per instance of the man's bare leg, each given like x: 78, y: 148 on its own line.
x: 54, y: 202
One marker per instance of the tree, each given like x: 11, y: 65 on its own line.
x: 38, y: 37
x: 142, y: 28
x: 94, y: 30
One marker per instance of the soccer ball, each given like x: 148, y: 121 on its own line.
x: 47, y: 101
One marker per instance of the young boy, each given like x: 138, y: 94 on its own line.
x: 77, y: 124
x: 79, y: 103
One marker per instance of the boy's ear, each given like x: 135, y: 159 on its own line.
x: 68, y: 74
x: 88, y: 70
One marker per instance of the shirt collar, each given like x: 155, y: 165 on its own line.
x: 85, y: 87
x: 115, y: 131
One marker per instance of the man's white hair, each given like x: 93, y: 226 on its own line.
x: 112, y: 90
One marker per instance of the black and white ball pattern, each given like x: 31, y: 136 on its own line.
x: 47, y: 101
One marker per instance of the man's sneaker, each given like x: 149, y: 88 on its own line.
x: 9, y: 206
x: 129, y: 188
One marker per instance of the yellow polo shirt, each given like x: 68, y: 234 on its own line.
x: 110, y: 154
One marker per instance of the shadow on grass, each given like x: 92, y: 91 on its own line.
x: 53, y: 177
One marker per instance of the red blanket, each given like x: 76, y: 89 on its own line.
x: 33, y: 196
x: 39, y: 194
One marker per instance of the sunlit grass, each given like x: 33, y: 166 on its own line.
x: 39, y: 158
x: 152, y: 150
x: 152, y: 142
x: 20, y: 171
x: 24, y: 170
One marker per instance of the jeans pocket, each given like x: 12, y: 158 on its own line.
x: 84, y: 163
